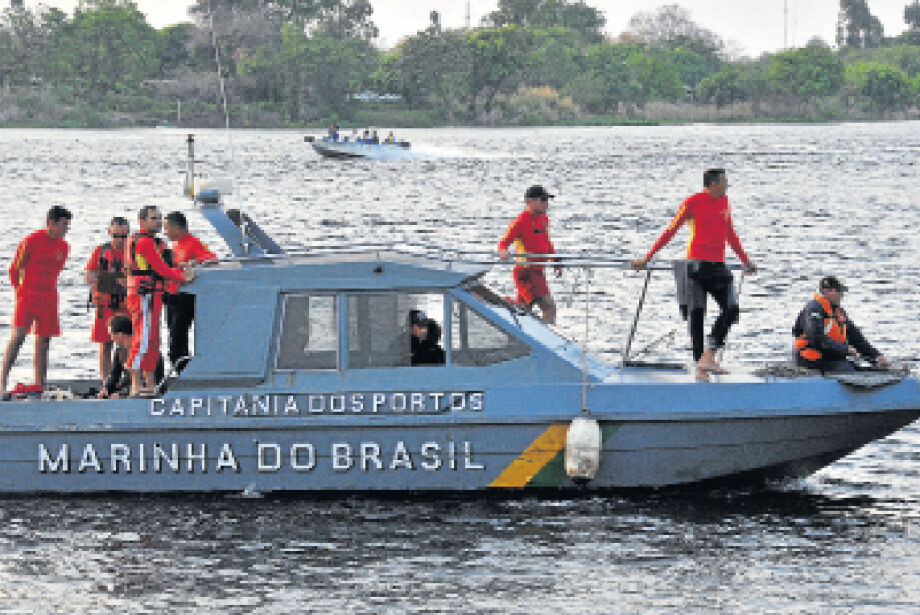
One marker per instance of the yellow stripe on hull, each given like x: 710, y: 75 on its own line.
x: 534, y: 458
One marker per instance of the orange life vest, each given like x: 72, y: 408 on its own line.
x: 835, y: 327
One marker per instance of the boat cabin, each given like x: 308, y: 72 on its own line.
x: 341, y: 321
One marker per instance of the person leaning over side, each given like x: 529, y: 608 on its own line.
x: 105, y: 274
x: 825, y: 337
x: 147, y: 277
x: 530, y: 234
x: 187, y: 250
x: 34, y: 272
x: 711, y: 228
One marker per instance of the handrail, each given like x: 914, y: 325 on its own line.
x: 563, y: 260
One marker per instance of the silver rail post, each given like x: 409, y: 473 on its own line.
x: 635, y: 323
x: 584, y: 350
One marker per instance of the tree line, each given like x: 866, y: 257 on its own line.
x: 295, y: 62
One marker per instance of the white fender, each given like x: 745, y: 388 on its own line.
x: 582, y: 449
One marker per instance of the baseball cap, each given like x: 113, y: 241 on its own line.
x: 538, y: 192
x: 417, y: 317
x: 832, y: 283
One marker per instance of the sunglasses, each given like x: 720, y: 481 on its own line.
x: 120, y: 236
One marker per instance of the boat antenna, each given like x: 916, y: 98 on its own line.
x: 223, y: 96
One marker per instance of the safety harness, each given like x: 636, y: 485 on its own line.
x: 149, y: 281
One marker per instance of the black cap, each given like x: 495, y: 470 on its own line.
x: 832, y: 283
x: 538, y: 192
x: 417, y: 317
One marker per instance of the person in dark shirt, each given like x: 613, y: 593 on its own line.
x: 824, y: 335
x: 427, y: 350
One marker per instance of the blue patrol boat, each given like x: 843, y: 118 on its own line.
x: 303, y: 380
x: 330, y: 148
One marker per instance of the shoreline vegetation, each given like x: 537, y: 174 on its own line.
x: 309, y: 64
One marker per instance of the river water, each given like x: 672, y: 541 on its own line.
x: 807, y: 201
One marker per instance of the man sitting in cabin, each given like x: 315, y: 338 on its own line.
x: 118, y: 381
x: 408, y: 345
x: 825, y: 338
x: 530, y: 234
x: 427, y: 350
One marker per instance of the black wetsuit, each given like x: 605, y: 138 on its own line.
x: 715, y: 280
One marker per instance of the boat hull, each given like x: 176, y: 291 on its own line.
x: 298, y: 454
x: 360, y: 150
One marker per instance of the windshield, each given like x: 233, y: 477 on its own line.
x: 485, y: 299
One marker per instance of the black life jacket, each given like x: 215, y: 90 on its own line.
x: 109, y: 262
x: 149, y: 280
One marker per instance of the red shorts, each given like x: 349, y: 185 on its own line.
x: 145, y: 343
x: 531, y: 284
x: 37, y: 312
x: 100, y: 333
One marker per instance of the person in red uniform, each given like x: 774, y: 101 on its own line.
x: 180, y: 307
x: 34, y: 271
x: 711, y: 228
x: 530, y: 234
x: 148, y: 274
x: 105, y: 274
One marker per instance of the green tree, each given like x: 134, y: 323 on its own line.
x: 658, y: 78
x: 577, y: 15
x: 429, y: 71
x: 692, y: 66
x: 607, y: 79
x: 497, y: 59
x: 318, y: 74
x: 858, y: 27
x: 553, y: 58
x: 912, y: 14
x: 174, y: 45
x: 886, y: 87
x: 805, y: 74
x: 106, y: 49
x: 734, y: 83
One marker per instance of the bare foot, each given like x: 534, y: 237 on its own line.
x: 708, y: 363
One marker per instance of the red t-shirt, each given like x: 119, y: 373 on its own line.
x: 530, y: 234
x: 187, y: 249
x: 147, y: 258
x: 38, y: 262
x: 710, y: 229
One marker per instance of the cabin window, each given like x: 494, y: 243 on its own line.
x: 476, y: 341
x: 309, y: 333
x: 380, y: 330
